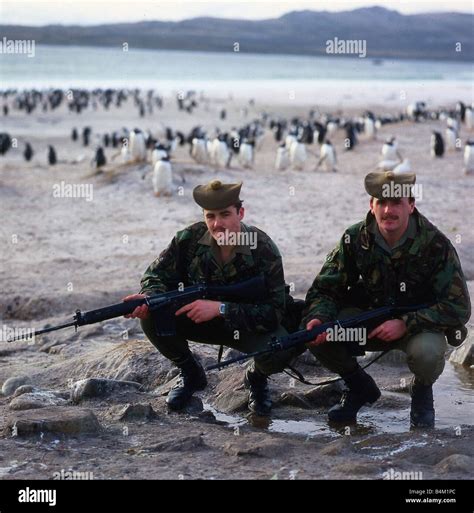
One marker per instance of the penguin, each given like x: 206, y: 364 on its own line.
x: 416, y: 110
x: 158, y: 153
x: 162, y: 178
x: 246, y: 154
x: 469, y: 157
x: 289, y: 140
x: 469, y: 118
x: 319, y: 132
x: 298, y: 155
x: 137, y: 145
x: 404, y: 167
x: 223, y: 114
x: 106, y: 140
x: 451, y: 136
x: 461, y: 110
x: 5, y: 143
x: 199, y: 150
x: 86, y: 132
x: 388, y: 165
x: 282, y: 158
x: 453, y: 123
x: 28, y: 153
x: 351, y: 137
x: 437, y: 144
x: 390, y: 149
x: 52, y: 159
x: 99, y: 159
x: 74, y: 135
x: 222, y: 154
x: 5, y: 110
x: 369, y: 128
x: 331, y: 128
x: 327, y: 157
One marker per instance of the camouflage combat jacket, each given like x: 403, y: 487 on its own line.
x: 423, y: 268
x: 193, y: 257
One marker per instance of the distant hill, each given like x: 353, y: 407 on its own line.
x: 388, y: 34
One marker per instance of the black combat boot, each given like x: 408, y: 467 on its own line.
x: 362, y: 390
x: 260, y: 401
x: 191, y: 378
x: 422, y: 414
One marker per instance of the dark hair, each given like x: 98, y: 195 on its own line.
x: 238, y: 205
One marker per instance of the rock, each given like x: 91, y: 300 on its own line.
x: 57, y: 349
x: 24, y: 389
x: 55, y: 419
x: 242, y: 449
x: 209, y: 418
x: 456, y: 463
x: 11, y: 384
x: 296, y: 399
x: 231, y: 395
x: 100, y: 387
x: 39, y: 399
x: 232, y: 353
x: 188, y: 443
x: 354, y: 467
x: 137, y: 412
x: 324, y: 395
x: 463, y: 355
x: 337, y: 447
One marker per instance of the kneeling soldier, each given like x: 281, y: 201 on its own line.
x: 221, y: 251
x: 394, y: 257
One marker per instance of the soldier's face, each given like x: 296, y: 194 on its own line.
x: 392, y: 214
x: 220, y: 221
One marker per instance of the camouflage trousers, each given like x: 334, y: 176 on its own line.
x: 425, y: 352
x: 176, y: 348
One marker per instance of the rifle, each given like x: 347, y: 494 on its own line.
x: 301, y: 337
x: 164, y: 305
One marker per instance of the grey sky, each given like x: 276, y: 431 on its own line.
x: 86, y: 12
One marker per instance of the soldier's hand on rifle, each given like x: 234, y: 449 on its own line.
x: 201, y: 310
x: 389, y: 330
x: 140, y: 312
x: 321, y: 338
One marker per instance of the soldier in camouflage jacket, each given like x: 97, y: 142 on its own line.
x: 394, y: 257
x: 194, y: 256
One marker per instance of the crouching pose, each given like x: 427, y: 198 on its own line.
x: 394, y: 257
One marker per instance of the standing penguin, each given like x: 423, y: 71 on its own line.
x: 469, y: 157
x: 28, y: 153
x: 437, y: 144
x: 199, y: 150
x: 222, y: 154
x: 469, y: 118
x: 451, y: 136
x: 328, y: 157
x: 298, y: 155
x: 99, y: 159
x: 246, y: 153
x: 369, y: 127
x: 74, y: 134
x: 137, y: 145
x: 162, y: 178
x: 351, y: 137
x: 390, y: 149
x: 86, y: 132
x: 282, y: 158
x: 52, y: 159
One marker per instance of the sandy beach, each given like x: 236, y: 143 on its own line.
x: 63, y: 253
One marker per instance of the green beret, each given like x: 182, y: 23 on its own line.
x: 389, y: 185
x: 216, y: 195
